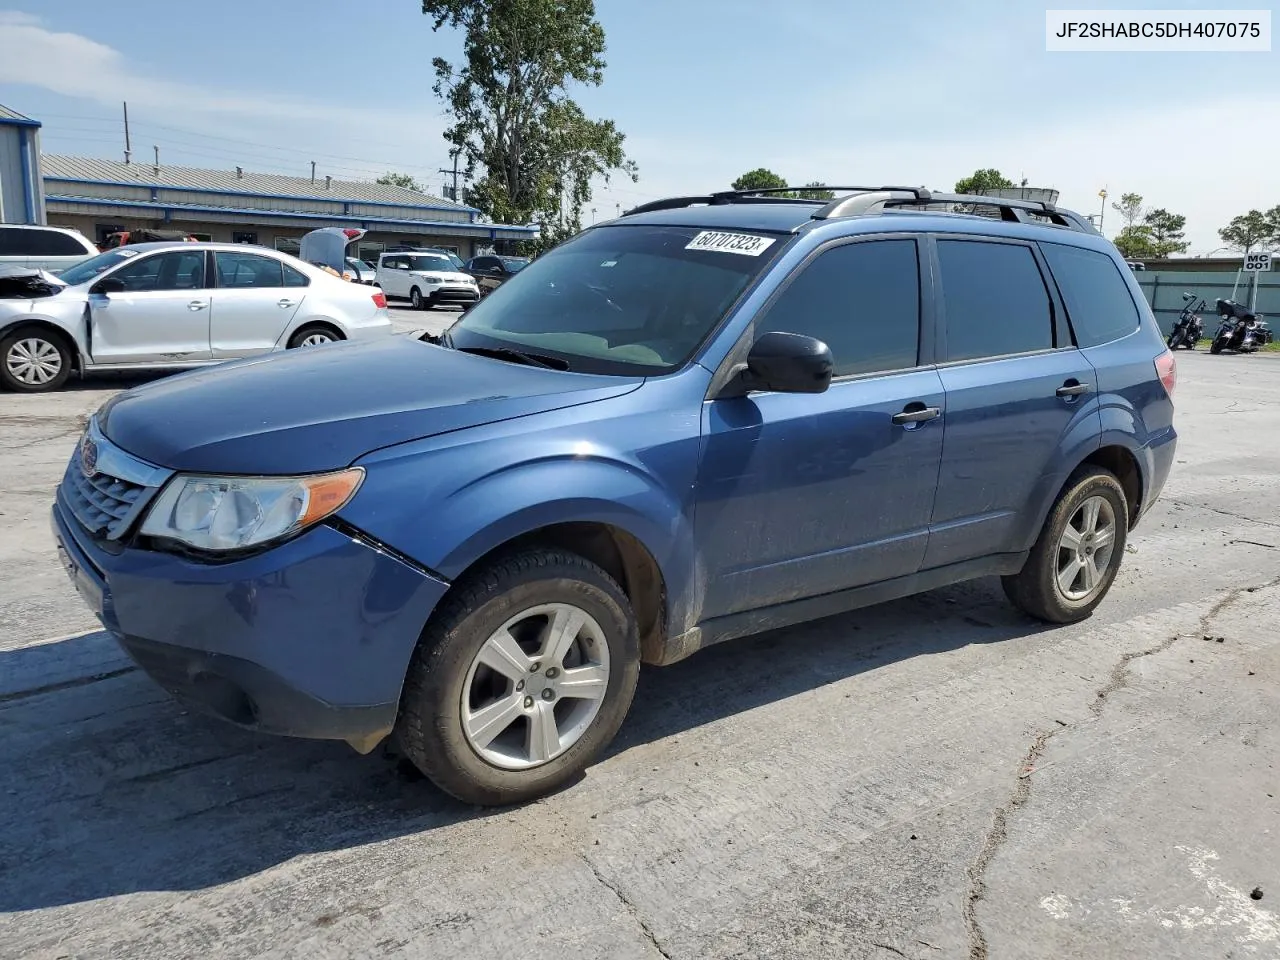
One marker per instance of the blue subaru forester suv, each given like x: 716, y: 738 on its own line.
x: 713, y: 416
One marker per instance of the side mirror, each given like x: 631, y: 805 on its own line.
x: 108, y: 285
x: 785, y: 363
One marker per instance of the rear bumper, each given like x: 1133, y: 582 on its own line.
x: 310, y: 639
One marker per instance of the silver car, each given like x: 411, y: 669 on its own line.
x: 175, y: 306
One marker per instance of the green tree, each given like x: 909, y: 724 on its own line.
x: 526, y: 146
x: 1130, y: 209
x: 760, y: 178
x: 1166, y: 232
x: 393, y: 179
x: 1251, y: 230
x: 1136, y: 243
x: 983, y: 180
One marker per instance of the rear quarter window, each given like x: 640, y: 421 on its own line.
x: 1098, y: 301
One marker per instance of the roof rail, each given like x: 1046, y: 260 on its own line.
x: 875, y: 201
x: 760, y: 195
x: 866, y: 200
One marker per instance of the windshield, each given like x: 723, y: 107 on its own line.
x: 626, y: 300
x: 430, y: 261
x: 514, y: 264
x: 86, y: 270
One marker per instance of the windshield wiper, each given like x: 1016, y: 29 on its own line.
x: 506, y: 353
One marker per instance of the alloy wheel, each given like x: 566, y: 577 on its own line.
x: 535, y: 686
x: 1085, y: 549
x: 315, y: 339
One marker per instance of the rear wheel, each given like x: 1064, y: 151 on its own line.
x: 314, y: 335
x: 521, y: 680
x: 33, y: 360
x: 1075, y: 561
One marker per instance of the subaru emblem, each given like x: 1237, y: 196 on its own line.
x: 89, y: 457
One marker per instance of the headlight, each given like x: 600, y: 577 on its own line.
x: 231, y: 513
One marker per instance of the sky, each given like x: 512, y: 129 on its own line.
x: 917, y: 92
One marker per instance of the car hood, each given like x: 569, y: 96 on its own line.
x: 321, y: 408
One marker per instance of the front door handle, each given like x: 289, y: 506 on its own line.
x: 197, y: 304
x: 916, y: 412
x: 1073, y: 388
x: 284, y: 303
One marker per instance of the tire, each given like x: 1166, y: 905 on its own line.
x: 313, y: 335
x: 33, y: 360
x: 1174, y: 341
x: 1215, y: 347
x: 417, y: 301
x: 1038, y: 589
x: 447, y: 681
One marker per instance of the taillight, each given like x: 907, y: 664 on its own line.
x: 1167, y: 370
x: 380, y: 300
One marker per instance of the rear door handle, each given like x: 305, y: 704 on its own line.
x: 197, y: 304
x: 1072, y: 388
x: 916, y: 413
x: 284, y: 303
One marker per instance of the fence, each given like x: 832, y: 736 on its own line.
x: 1164, y: 290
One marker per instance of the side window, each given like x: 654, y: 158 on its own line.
x: 163, y: 271
x: 11, y: 242
x: 294, y: 278
x: 238, y: 271
x: 1099, y: 304
x: 994, y: 299
x: 50, y: 243
x: 862, y: 300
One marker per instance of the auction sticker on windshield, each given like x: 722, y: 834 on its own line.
x: 741, y: 243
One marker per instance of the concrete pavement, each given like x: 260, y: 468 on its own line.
x: 936, y: 777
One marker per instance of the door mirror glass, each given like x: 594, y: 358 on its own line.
x: 788, y: 363
x: 109, y: 285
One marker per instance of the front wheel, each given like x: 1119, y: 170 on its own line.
x: 1216, y: 346
x: 1075, y: 561
x: 1174, y: 341
x: 521, y: 680
x: 417, y: 301
x: 33, y: 360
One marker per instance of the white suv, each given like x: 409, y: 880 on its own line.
x: 43, y: 248
x: 424, y: 279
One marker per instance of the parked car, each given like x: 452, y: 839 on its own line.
x: 45, y: 248
x: 175, y: 306
x: 710, y: 417
x: 492, y: 271
x: 426, y: 280
x: 361, y: 272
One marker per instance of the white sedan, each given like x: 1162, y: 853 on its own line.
x: 176, y: 306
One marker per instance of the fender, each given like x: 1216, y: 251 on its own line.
x: 448, y: 501
x: 1078, y: 442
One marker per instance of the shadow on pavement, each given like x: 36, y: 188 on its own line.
x: 110, y: 787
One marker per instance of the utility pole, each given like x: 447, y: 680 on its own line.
x: 313, y: 171
x: 593, y: 214
x: 127, y: 150
x: 1103, y: 194
x: 454, y: 195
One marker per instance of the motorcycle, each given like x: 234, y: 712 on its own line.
x: 1241, y: 329
x: 1188, y: 328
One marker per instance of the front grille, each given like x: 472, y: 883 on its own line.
x: 107, y: 501
x: 103, y: 504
